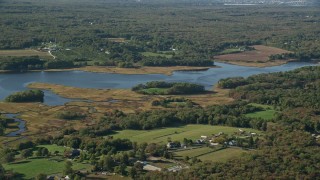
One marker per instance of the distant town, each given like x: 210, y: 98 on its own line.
x: 270, y: 2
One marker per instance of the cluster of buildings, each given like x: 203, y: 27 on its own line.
x: 270, y: 2
x: 213, y: 140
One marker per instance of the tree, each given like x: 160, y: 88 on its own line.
x: 133, y: 172
x: 138, y: 166
x: 251, y: 142
x: 108, y: 163
x: 27, y: 153
x: 2, y: 172
x: 26, y: 96
x: 124, y: 159
x: 264, y: 126
x: 9, y: 157
x: 121, y: 169
x: 45, y: 152
x: 41, y: 177
x: 68, y: 168
x: 42, y: 152
x: 186, y: 158
x: 142, y: 155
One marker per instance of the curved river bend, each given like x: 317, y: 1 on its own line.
x: 21, y: 125
x: 10, y: 83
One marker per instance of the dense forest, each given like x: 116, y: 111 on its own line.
x: 295, y: 92
x: 130, y: 33
x: 289, y: 150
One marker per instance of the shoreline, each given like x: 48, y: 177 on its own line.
x: 168, y: 70
x: 256, y: 64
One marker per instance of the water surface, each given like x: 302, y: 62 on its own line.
x: 10, y: 83
x: 21, y: 125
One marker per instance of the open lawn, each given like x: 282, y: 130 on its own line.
x: 176, y: 133
x: 25, y: 52
x: 268, y: 113
x: 223, y: 155
x: 32, y: 167
x: 196, y: 152
x: 151, y: 54
x: 258, y: 57
x: 211, y: 154
x: 52, y: 148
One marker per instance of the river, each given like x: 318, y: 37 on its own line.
x: 21, y: 126
x: 13, y: 82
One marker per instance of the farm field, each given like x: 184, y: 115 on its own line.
x: 175, y: 133
x: 196, y: 152
x: 34, y: 166
x: 223, y: 155
x: 268, y: 113
x: 258, y: 57
x: 25, y: 52
x: 211, y: 154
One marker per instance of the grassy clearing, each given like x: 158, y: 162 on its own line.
x: 52, y: 148
x: 197, y: 152
x: 162, y: 164
x: 223, y: 155
x: 25, y: 52
x: 268, y: 113
x: 32, y: 167
x: 175, y: 133
x: 151, y: 54
x: 256, y: 58
x: 211, y: 154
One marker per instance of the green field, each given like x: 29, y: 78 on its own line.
x: 197, y: 152
x: 176, y: 133
x: 32, y: 167
x: 54, y: 147
x: 211, y: 154
x: 151, y: 54
x: 268, y: 113
x: 223, y: 155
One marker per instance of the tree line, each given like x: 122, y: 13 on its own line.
x: 168, y: 88
x: 26, y: 96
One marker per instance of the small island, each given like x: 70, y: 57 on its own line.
x: 26, y: 96
x: 168, y: 88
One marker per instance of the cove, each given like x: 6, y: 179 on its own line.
x: 10, y: 83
